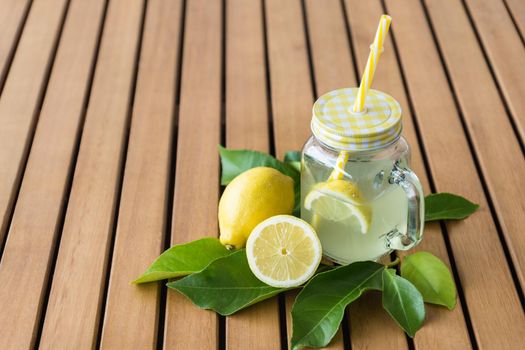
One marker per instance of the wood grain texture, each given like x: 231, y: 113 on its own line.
x: 22, y: 94
x: 12, y: 15
x: 517, y: 10
x: 246, y: 97
x: 447, y: 326
x: 468, y: 130
x: 291, y: 85
x: 505, y: 50
x: 292, y: 96
x: 255, y: 328
x: 499, y: 153
x: 133, y: 311
x: 371, y: 327
x: 247, y: 128
x: 197, y: 173
x: 331, y: 48
x: 496, y: 313
x: 29, y: 250
x: 333, y: 69
x: 74, y: 305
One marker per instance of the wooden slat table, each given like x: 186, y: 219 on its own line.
x: 110, y: 116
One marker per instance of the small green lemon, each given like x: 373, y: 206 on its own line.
x: 251, y: 198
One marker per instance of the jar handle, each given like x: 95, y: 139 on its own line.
x: 408, y: 181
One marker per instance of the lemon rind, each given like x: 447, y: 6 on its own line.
x: 294, y: 221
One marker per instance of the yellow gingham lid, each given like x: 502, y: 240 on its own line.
x: 335, y: 124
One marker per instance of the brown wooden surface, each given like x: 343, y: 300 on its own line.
x: 22, y: 95
x: 134, y: 311
x: 449, y: 327
x: 110, y: 116
x: 79, y: 278
x: 196, y: 192
x: 247, y: 128
x: 28, y: 256
x: 493, y: 311
x: 504, y: 47
x: 12, y: 18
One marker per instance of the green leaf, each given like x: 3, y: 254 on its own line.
x: 235, y: 162
x: 226, y: 286
x: 443, y: 206
x: 319, y: 307
x: 403, y: 302
x: 184, y: 259
x: 431, y: 277
x: 292, y: 156
x: 294, y: 159
x: 296, y: 165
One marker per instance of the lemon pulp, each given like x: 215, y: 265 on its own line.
x: 283, y: 251
x: 339, y: 200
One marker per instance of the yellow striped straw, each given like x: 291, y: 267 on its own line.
x: 375, y: 52
x: 366, y: 81
x: 338, y: 173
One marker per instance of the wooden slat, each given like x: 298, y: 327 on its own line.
x: 197, y: 172
x: 333, y: 69
x: 12, y: 15
x: 21, y: 96
x: 442, y: 324
x: 133, y: 310
x: 330, y: 45
x: 29, y: 250
x: 371, y: 327
x: 499, y: 152
x: 517, y: 10
x: 255, y: 328
x: 505, y: 50
x: 246, y: 97
x: 247, y: 127
x: 292, y: 95
x: 495, y: 311
x: 74, y: 306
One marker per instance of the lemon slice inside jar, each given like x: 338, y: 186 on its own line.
x: 339, y: 200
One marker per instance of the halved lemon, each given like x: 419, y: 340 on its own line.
x: 339, y: 200
x: 283, y: 251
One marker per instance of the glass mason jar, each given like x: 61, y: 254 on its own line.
x: 357, y: 190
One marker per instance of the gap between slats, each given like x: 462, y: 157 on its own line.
x: 514, y: 21
x: 410, y: 341
x: 499, y: 88
x: 222, y: 319
x: 472, y: 149
x: 34, y: 121
x: 14, y: 46
x: 272, y: 148
x: 461, y: 294
x: 171, y: 181
x: 271, y: 144
x: 111, y: 243
x: 69, y: 184
x: 432, y: 185
x: 345, y: 323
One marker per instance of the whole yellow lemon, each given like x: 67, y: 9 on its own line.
x: 252, y: 197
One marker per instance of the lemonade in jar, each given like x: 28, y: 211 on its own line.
x: 356, y: 188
